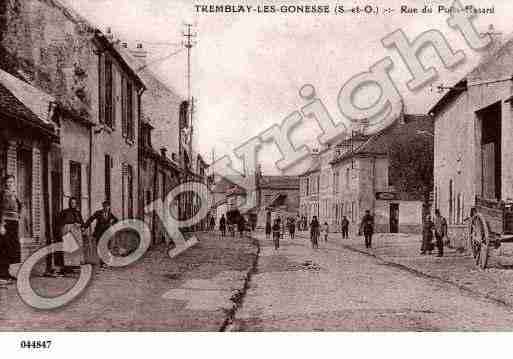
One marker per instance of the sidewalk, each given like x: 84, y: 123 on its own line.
x: 496, y: 282
x: 196, y: 291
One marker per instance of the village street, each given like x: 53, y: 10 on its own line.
x: 336, y: 288
x: 245, y: 285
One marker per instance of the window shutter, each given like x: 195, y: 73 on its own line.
x: 114, y: 101
x: 124, y: 107
x: 101, y: 88
x: 130, y: 110
x: 36, y: 193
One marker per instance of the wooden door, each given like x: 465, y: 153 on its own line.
x: 488, y: 165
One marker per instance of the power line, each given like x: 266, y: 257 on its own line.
x: 161, y: 43
x: 160, y: 59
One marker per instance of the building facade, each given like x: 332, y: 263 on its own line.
x: 355, y: 175
x: 27, y: 139
x: 94, y: 99
x: 473, y: 126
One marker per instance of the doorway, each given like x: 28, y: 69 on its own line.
x: 24, y: 177
x: 490, y: 118
x: 394, y: 217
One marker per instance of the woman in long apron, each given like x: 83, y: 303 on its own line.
x: 10, y: 213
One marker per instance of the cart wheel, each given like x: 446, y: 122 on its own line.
x: 480, y: 241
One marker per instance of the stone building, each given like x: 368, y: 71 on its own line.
x: 273, y: 196
x: 27, y: 139
x: 309, y: 187
x: 96, y: 107
x: 355, y: 175
x: 276, y: 196
x: 473, y: 123
x: 158, y: 176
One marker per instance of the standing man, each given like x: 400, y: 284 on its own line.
x: 222, y: 226
x: 104, y: 219
x: 427, y: 235
x: 10, y: 215
x: 292, y: 228
x: 276, y: 234
x: 440, y: 232
x: 344, y: 227
x: 315, y: 231
x: 367, y: 227
x: 212, y: 223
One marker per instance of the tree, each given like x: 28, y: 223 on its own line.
x: 411, y: 162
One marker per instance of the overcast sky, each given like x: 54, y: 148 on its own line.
x: 247, y: 69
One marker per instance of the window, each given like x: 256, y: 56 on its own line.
x: 307, y: 186
x: 75, y: 181
x: 450, y: 203
x: 128, y: 125
x: 347, y: 177
x: 390, y: 179
x: 109, y: 88
x: 108, y: 170
x: 458, y: 209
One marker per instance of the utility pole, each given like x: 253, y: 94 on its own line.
x: 188, y: 43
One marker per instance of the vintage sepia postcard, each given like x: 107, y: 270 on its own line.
x: 254, y: 166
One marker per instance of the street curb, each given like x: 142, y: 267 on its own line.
x: 419, y: 273
x: 238, y: 297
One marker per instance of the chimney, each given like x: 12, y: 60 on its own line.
x: 139, y: 53
x: 163, y: 151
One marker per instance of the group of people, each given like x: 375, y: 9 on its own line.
x: 67, y: 221
x: 278, y: 228
x: 436, y: 228
x: 225, y: 225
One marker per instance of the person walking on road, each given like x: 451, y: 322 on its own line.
x: 427, y: 236
x: 276, y: 234
x: 241, y: 223
x: 10, y: 215
x: 440, y: 225
x: 367, y: 228
x: 268, y: 229
x: 104, y: 219
x: 344, y: 226
x: 222, y: 226
x: 314, y: 232
x: 292, y: 228
x: 212, y: 223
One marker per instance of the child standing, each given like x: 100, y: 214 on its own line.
x: 325, y: 231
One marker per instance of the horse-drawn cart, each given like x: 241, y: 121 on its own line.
x: 491, y: 224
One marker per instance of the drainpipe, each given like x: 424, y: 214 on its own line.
x: 90, y: 177
x: 155, y: 192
